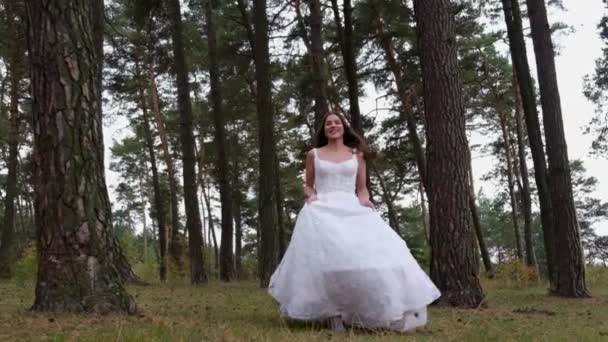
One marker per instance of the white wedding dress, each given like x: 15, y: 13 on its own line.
x: 345, y: 261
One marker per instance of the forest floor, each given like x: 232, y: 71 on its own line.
x: 242, y: 312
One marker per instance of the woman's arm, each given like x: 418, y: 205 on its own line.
x: 362, y: 191
x: 309, y: 186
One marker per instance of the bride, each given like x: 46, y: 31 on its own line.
x: 344, y: 263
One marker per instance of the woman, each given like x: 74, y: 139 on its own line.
x: 344, y: 263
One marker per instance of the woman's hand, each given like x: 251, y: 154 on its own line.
x: 366, y: 203
x: 311, y: 198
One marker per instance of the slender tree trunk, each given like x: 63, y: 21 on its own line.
x: 267, y: 258
x: 454, y: 264
x: 318, y: 69
x: 226, y: 256
x: 519, y: 58
x: 175, y: 246
x: 207, y: 204
x: 392, y: 215
x: 282, y: 239
x: 483, y: 249
x: 345, y: 39
x: 158, y: 194
x: 7, y: 234
x: 569, y: 252
x: 506, y: 139
x: 198, y: 274
x: 405, y: 95
x: 425, y: 222
x: 238, y: 220
x: 212, y: 228
x: 79, y: 260
x: 144, y: 219
x: 523, y: 170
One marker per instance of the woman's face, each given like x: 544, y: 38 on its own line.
x: 333, y: 127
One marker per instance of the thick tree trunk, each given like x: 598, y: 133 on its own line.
x: 198, y: 274
x: 523, y: 170
x: 506, y: 140
x: 267, y: 258
x: 226, y: 256
x: 7, y: 250
x: 175, y: 244
x: 454, y: 264
x: 158, y: 194
x: 345, y: 39
x: 317, y: 55
x: 79, y: 260
x: 519, y: 58
x: 569, y: 252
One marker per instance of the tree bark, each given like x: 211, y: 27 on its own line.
x: 569, y: 252
x: 79, y: 260
x: 523, y: 170
x: 519, y: 58
x: 7, y: 234
x: 317, y: 55
x: 198, y: 274
x: 345, y: 39
x: 267, y: 258
x: 226, y: 256
x: 506, y: 140
x: 454, y: 264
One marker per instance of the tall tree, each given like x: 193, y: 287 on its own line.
x: 175, y: 246
x: 198, y: 274
x: 78, y: 256
x: 519, y: 58
x: 525, y: 181
x: 505, y: 127
x: 226, y: 256
x: 569, y: 252
x: 16, y: 70
x: 267, y: 255
x: 345, y: 39
x: 454, y: 266
x: 158, y: 194
x: 596, y: 90
x: 317, y: 58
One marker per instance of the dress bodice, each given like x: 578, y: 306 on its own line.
x: 333, y: 176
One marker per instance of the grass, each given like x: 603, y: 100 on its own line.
x: 243, y: 312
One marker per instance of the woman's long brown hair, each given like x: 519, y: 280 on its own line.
x: 350, y: 138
